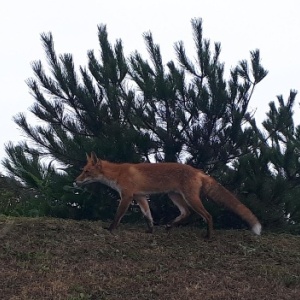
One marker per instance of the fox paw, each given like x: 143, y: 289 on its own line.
x: 169, y: 226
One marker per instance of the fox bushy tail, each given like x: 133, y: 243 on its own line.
x: 220, y: 195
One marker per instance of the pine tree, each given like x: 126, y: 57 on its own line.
x: 82, y: 113
x: 159, y: 104
x: 216, y: 131
x: 269, y: 177
x: 132, y: 110
x: 190, y: 110
x: 78, y: 114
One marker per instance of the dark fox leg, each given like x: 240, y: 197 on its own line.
x: 144, y: 206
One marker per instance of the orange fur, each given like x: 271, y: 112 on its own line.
x: 181, y: 182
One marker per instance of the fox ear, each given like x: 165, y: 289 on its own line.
x: 94, y: 158
x: 87, y: 157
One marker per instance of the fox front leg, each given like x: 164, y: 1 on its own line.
x: 144, y: 206
x: 122, y: 209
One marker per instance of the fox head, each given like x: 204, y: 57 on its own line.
x: 91, y: 172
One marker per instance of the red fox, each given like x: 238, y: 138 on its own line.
x: 181, y: 182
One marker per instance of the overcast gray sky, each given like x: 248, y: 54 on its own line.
x: 240, y: 26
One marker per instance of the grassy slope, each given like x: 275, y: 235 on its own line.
x: 59, y: 259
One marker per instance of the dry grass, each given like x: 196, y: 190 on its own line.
x: 59, y: 259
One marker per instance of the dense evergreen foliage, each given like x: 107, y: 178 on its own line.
x: 269, y: 177
x: 136, y: 109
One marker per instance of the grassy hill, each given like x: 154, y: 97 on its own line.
x: 62, y: 259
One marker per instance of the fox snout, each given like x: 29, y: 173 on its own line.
x: 78, y: 181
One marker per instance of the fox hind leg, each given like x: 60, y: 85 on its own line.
x: 194, y: 201
x: 179, y: 201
